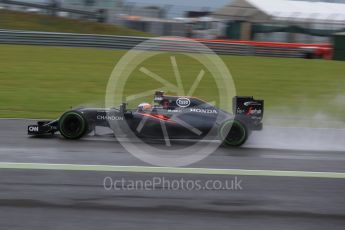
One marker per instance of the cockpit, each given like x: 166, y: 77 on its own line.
x: 179, y: 102
x: 172, y: 102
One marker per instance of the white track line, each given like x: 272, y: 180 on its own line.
x: 174, y: 170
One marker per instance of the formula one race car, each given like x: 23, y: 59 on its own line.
x: 182, y: 118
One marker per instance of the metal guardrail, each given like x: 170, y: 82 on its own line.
x: 126, y: 42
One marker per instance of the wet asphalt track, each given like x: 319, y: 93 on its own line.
x: 50, y: 199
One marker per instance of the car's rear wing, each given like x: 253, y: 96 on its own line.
x: 249, y: 107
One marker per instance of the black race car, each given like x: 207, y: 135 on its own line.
x: 181, y: 118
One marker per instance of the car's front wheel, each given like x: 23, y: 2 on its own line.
x: 233, y: 133
x: 72, y: 125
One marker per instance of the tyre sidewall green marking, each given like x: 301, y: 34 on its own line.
x: 232, y: 122
x: 62, y: 119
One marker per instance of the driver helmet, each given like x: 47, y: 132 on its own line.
x: 145, y: 107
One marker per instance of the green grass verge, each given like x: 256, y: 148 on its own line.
x: 30, y: 21
x: 42, y: 82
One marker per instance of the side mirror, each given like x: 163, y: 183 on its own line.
x: 123, y: 107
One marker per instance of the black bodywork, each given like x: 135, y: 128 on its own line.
x: 182, y: 117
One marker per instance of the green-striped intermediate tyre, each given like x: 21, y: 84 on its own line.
x: 233, y: 133
x: 72, y: 125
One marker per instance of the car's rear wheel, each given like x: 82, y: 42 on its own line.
x: 233, y: 133
x: 72, y: 125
